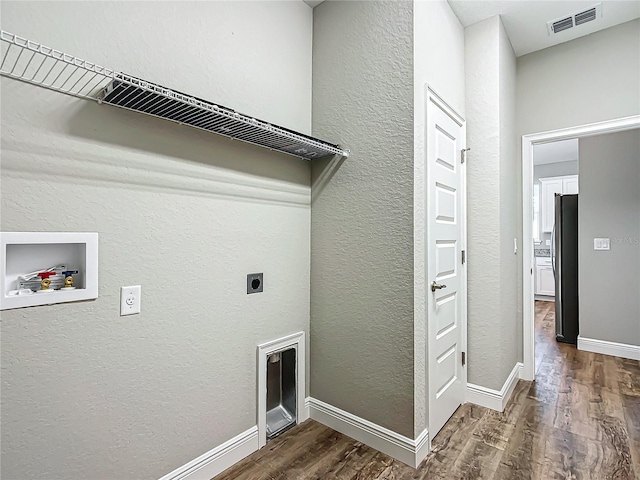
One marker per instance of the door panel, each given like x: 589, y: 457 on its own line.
x: 446, y: 256
x: 446, y: 321
x: 445, y: 237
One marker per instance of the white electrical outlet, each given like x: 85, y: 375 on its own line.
x: 130, y: 300
x: 547, y: 243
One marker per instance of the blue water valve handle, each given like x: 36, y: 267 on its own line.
x: 68, y: 279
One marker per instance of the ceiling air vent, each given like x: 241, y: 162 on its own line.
x: 586, y: 16
x: 574, y: 20
x: 561, y: 25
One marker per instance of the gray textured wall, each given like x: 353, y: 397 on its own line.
x: 87, y: 394
x: 362, y: 220
x: 511, y: 314
x: 493, y: 316
x: 609, y: 206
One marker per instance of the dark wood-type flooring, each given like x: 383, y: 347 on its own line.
x: 579, y: 420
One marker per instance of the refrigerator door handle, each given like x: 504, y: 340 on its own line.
x: 552, y: 251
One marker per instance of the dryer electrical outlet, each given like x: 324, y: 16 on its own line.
x: 255, y: 283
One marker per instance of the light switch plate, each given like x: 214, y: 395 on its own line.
x: 547, y: 243
x: 601, y: 244
x: 130, y: 300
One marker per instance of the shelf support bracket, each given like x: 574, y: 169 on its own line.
x: 328, y: 171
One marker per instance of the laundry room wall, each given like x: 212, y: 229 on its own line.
x: 184, y: 213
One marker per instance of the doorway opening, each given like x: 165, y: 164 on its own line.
x: 530, y: 143
x: 555, y: 247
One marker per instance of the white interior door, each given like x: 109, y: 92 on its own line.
x: 446, y: 272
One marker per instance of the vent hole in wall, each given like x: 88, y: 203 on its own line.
x: 281, y: 385
x: 281, y: 392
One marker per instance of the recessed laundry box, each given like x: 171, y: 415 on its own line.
x: 281, y: 386
x: 44, y: 268
x: 281, y: 392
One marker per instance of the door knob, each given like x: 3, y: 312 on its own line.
x: 435, y: 286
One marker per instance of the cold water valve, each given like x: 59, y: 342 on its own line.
x: 68, y: 279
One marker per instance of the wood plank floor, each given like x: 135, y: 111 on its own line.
x: 580, y: 420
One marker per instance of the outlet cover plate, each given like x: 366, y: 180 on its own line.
x: 255, y: 283
x: 130, y: 300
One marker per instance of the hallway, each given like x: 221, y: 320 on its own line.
x: 547, y: 349
x: 580, y: 420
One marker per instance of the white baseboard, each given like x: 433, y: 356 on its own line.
x: 609, y: 348
x: 215, y: 461
x: 494, y: 399
x: 404, y: 449
x: 307, y: 409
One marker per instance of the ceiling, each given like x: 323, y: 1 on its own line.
x: 526, y: 20
x: 554, y: 152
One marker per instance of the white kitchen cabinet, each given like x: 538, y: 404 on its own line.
x: 566, y: 185
x: 545, y: 281
x: 549, y: 189
x: 570, y: 185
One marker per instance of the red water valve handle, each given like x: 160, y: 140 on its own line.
x: 44, y: 275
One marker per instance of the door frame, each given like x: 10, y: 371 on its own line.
x: 432, y: 96
x: 528, y: 260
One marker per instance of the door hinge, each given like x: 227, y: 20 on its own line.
x: 464, y: 256
x: 463, y: 154
x: 464, y: 359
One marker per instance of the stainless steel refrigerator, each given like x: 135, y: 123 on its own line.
x: 564, y: 259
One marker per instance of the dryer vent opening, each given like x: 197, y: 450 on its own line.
x: 281, y: 392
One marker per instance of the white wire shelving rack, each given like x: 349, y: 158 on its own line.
x: 39, y: 65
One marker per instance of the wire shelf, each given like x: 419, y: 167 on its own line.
x: 33, y: 63
x: 46, y: 67
x: 145, y: 97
